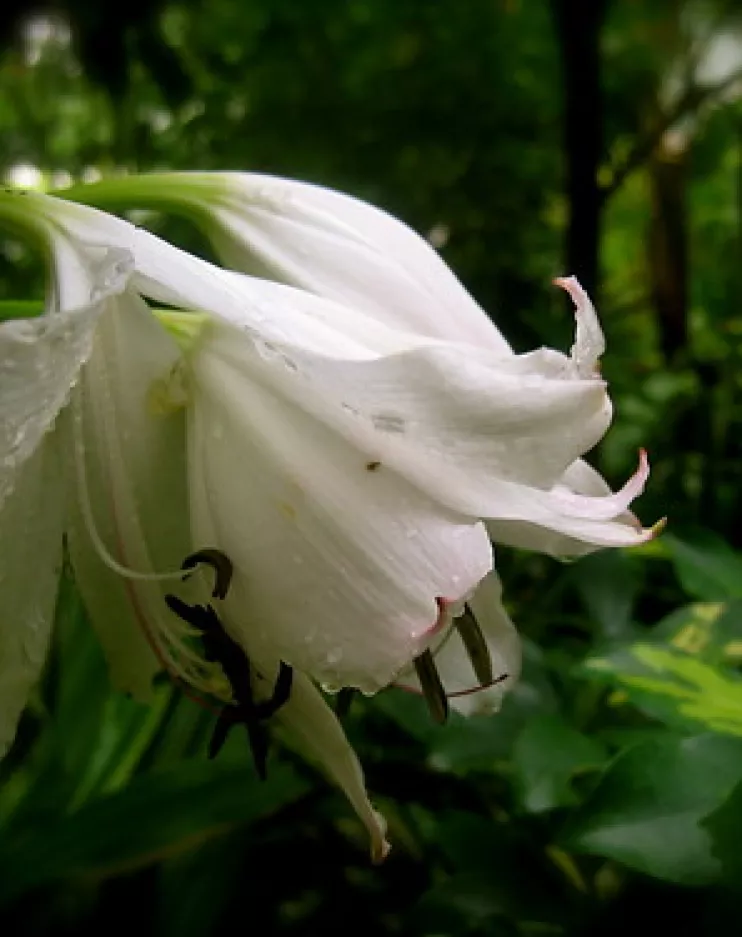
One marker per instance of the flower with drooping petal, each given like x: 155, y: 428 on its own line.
x: 394, y: 369
x: 347, y: 442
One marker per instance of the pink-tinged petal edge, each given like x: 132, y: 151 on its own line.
x: 604, y: 507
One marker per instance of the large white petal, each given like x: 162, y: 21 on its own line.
x: 170, y: 275
x: 307, y: 719
x: 31, y: 550
x: 546, y: 415
x: 327, y: 242
x: 130, y: 466
x: 40, y: 360
x: 345, y: 249
x: 520, y: 421
x: 342, y: 559
x: 314, y: 730
x: 485, y: 442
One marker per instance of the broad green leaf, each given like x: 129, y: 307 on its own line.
x: 710, y: 630
x: 646, y: 810
x: 675, y: 687
x: 547, y: 755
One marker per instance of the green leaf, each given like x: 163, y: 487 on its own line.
x: 646, y: 810
x: 155, y: 816
x: 675, y: 687
x: 707, y: 629
x: 706, y: 566
x: 20, y: 308
x: 547, y: 755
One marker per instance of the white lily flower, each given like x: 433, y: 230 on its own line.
x: 87, y: 448
x: 390, y: 368
x: 346, y: 460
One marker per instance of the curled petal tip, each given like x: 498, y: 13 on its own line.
x: 567, y: 283
x: 379, y: 851
x: 589, y: 341
x: 380, y: 845
x: 605, y: 507
x: 656, y: 529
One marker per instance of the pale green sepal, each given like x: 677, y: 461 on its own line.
x: 185, y: 327
x: 184, y: 192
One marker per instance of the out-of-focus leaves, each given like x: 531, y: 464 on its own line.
x: 497, y: 872
x: 547, y: 755
x: 196, y: 886
x: 646, y: 810
x: 709, y: 630
x: 675, y: 687
x: 155, y: 816
x: 608, y: 583
x: 464, y: 903
x: 725, y: 827
x: 707, y: 567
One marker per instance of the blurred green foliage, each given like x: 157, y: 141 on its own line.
x: 606, y: 796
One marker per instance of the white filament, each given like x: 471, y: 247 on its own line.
x: 87, y: 509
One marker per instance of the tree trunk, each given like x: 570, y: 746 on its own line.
x: 578, y: 26
x: 667, y: 248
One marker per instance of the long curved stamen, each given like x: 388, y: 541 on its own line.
x: 433, y: 691
x: 501, y: 678
x: 167, y: 636
x: 475, y: 645
x: 86, y: 509
x: 219, y: 562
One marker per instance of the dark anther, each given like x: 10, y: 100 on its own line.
x: 476, y: 646
x: 430, y: 681
x: 219, y: 562
x: 281, y: 692
x: 343, y: 701
x: 220, y: 648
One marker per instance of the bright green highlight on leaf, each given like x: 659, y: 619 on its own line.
x: 697, y: 691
